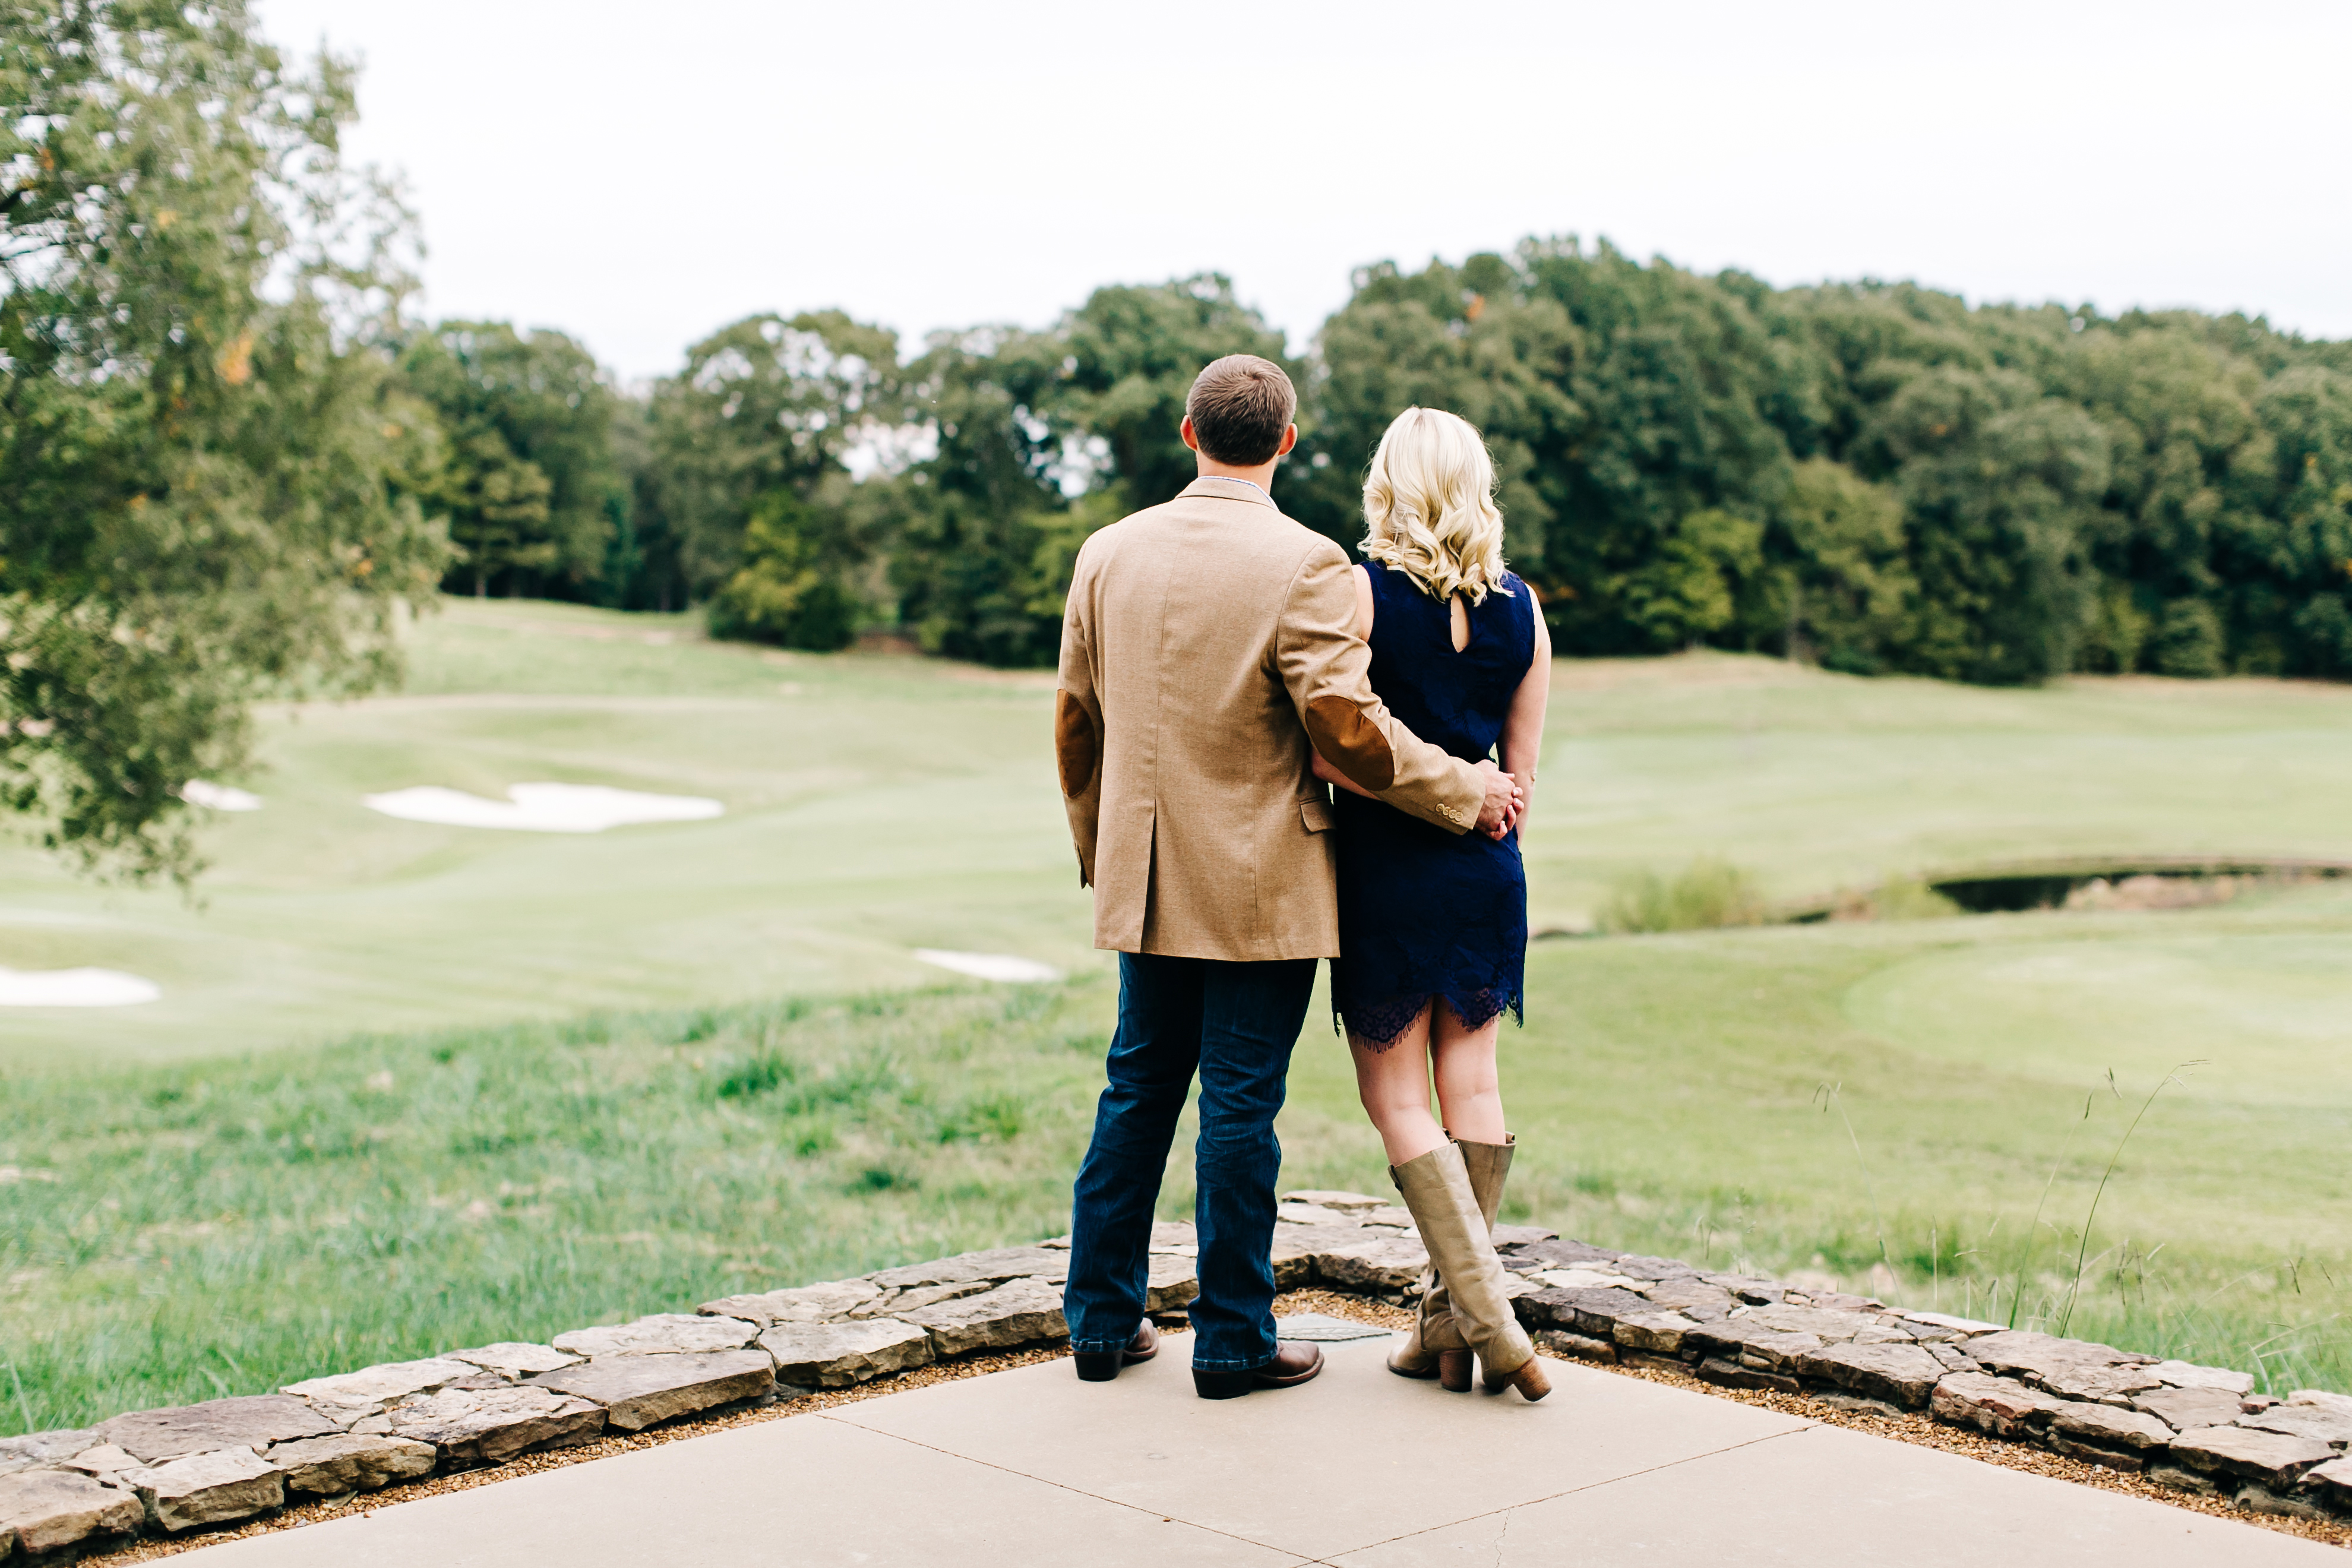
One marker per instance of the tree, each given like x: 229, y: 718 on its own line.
x: 783, y: 592
x: 989, y: 535
x: 1845, y: 584
x: 766, y: 404
x: 1641, y: 420
x: 1707, y: 569
x: 1131, y: 355
x: 533, y: 489
x: 2000, y: 486
x: 1039, y: 438
x: 199, y: 428
x: 2206, y: 545
x: 2306, y: 538
x: 642, y: 569
x: 1875, y: 475
x: 1691, y: 395
x: 1471, y: 340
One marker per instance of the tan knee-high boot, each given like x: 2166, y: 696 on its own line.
x: 1436, y: 1189
x: 1420, y: 1354
x: 1489, y: 1165
x: 1434, y: 1346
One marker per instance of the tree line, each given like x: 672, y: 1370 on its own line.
x: 233, y: 454
x: 1875, y: 477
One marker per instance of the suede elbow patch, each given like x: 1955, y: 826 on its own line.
x: 1352, y: 742
x: 1073, y: 743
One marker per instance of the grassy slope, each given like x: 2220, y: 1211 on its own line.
x: 1817, y: 782
x: 226, y: 1223
x: 875, y: 805
x: 880, y: 805
x: 198, y: 1229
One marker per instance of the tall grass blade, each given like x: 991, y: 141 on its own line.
x: 2074, y: 1291
x: 2034, y: 1229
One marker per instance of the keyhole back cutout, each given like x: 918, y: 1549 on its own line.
x: 1459, y: 613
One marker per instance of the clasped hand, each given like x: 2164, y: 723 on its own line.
x: 1506, y: 803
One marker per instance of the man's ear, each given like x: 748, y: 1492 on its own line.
x: 1185, y: 430
x: 1289, y: 439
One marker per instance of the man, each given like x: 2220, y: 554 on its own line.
x: 1208, y: 642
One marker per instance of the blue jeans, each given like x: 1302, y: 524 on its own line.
x: 1234, y: 1024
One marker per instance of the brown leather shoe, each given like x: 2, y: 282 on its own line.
x: 1101, y: 1366
x: 1293, y: 1362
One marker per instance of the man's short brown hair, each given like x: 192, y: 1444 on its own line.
x: 1240, y: 406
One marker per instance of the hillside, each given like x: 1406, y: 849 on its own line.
x: 337, y: 1138
x: 877, y: 805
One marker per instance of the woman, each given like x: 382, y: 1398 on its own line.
x: 1433, y: 926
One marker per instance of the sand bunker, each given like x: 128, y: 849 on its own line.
x: 74, y: 988
x: 219, y: 798
x: 543, y: 807
x: 988, y: 965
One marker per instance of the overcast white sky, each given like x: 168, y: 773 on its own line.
x: 638, y: 175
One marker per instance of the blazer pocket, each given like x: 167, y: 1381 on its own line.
x: 1316, y: 814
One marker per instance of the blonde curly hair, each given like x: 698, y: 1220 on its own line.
x: 1429, y: 506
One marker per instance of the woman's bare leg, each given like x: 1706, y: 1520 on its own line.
x: 1469, y: 1085
x: 1392, y: 1080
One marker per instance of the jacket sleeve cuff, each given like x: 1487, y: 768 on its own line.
x: 1459, y: 800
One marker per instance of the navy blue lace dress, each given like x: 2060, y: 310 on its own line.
x: 1424, y: 912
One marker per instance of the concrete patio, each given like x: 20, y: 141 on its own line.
x: 1358, y: 1468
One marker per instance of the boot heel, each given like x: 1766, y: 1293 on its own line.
x: 1454, y: 1370
x: 1528, y: 1379
x: 1220, y: 1385
x: 1097, y: 1366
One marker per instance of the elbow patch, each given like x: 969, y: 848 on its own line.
x: 1073, y: 743
x: 1352, y: 742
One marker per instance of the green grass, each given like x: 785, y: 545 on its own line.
x: 1708, y: 893
x: 1671, y: 1092
x: 190, y: 1229
x: 186, y: 1231
x: 623, y: 1078
x: 877, y: 805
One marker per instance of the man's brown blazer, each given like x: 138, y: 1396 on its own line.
x: 1205, y: 642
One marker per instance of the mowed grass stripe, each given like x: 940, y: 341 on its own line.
x: 876, y: 805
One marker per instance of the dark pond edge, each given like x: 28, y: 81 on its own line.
x: 2017, y: 886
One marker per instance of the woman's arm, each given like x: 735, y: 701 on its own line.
x: 1522, y: 746
x: 1324, y: 770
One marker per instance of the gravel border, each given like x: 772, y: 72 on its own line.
x: 302, y: 1514
x: 1899, y: 1427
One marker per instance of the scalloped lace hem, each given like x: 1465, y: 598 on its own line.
x: 1381, y: 1023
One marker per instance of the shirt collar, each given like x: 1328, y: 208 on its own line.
x: 1236, y: 479
x: 1259, y: 496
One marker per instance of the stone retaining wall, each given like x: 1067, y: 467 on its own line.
x: 2201, y: 1429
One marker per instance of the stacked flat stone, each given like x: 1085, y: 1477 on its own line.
x: 225, y: 1460
x: 2201, y: 1429
x: 2197, y: 1428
